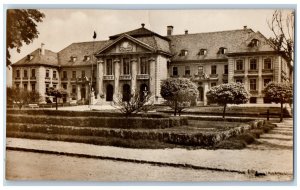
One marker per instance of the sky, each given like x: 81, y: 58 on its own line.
x: 61, y: 27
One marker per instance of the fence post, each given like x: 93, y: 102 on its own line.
x: 268, y: 114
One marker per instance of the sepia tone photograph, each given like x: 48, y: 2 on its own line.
x: 202, y: 95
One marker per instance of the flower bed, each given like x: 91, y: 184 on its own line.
x: 190, y: 138
x: 104, y: 122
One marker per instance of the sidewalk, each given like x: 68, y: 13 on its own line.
x: 273, y: 160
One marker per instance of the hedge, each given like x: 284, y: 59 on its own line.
x: 194, y: 139
x: 82, y: 113
x: 103, y: 122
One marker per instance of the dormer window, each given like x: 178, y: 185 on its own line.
x: 29, y: 57
x: 86, y: 58
x: 254, y: 43
x: 73, y: 58
x: 183, y: 52
x: 203, y: 52
x: 222, y: 50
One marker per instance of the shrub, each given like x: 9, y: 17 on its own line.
x: 178, y: 93
x: 231, y: 93
x: 279, y: 93
x: 21, y: 96
x: 57, y: 93
x: 134, y: 103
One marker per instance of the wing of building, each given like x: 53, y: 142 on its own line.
x: 138, y: 60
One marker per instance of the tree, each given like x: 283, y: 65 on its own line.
x: 279, y: 93
x: 179, y: 93
x: 21, y: 97
x: 21, y: 28
x: 282, y: 26
x: 135, y: 103
x: 57, y: 93
x: 230, y: 93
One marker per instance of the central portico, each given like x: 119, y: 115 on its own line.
x: 129, y: 65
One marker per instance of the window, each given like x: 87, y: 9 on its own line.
x: 187, y: 71
x: 17, y: 85
x: 126, y: 66
x: 222, y: 50
x: 73, y: 58
x: 25, y: 74
x: 47, y: 87
x: 54, y: 74
x: 253, y: 84
x: 183, y: 52
x: 253, y: 100
x: 86, y: 58
x: 64, y: 86
x: 239, y: 80
x: 33, y: 86
x: 267, y: 63
x: 25, y: 86
x: 143, y: 66
x: 254, y: 43
x: 253, y: 64
x: 226, y: 69
x: 225, y: 81
x: 200, y: 70
x: 65, y: 74
x: 94, y: 74
x: 47, y: 73
x: 213, y: 84
x: 109, y: 67
x: 213, y: 69
x: 266, y: 81
x: 33, y: 73
x: 175, y: 71
x: 73, y: 89
x: 202, y: 52
x: 18, y: 73
x: 239, y: 65
x: 54, y: 86
x: 82, y: 74
x: 73, y: 74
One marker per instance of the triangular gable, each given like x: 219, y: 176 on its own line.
x: 124, y: 44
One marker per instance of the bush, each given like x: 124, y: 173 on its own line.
x: 179, y: 93
x: 231, y: 93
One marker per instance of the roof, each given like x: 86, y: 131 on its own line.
x: 235, y: 41
x: 140, y: 32
x: 232, y: 40
x: 80, y: 50
x: 49, y: 59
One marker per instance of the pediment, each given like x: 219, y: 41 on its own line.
x: 124, y: 45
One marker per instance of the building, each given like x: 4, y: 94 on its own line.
x: 140, y: 59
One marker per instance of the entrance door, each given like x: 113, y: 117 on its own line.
x: 83, y: 92
x: 109, y: 92
x: 201, y: 93
x: 126, y: 92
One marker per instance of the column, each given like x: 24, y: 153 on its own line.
x: 78, y: 92
x: 117, y: 75
x: 153, y: 78
x: 99, y: 82
x: 133, y: 75
x: 205, y: 89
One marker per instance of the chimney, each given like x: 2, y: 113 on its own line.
x: 186, y: 32
x: 169, y: 30
x: 143, y: 25
x: 42, y: 49
x: 245, y: 27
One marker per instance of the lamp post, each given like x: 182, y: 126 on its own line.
x: 92, y: 73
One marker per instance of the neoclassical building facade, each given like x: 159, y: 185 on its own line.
x: 138, y: 60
